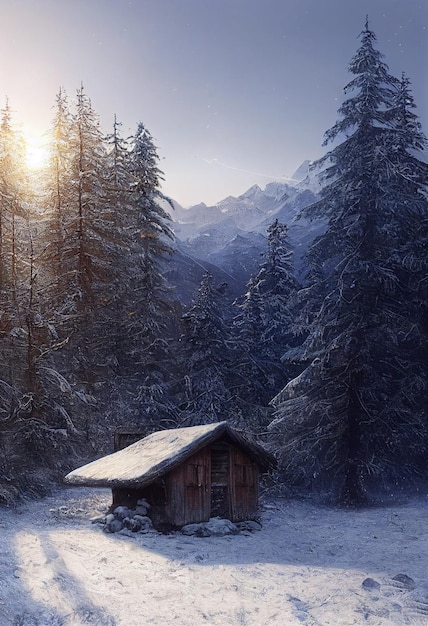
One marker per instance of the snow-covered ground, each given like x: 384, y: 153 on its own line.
x: 308, y: 565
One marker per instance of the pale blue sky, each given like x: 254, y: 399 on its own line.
x: 235, y: 92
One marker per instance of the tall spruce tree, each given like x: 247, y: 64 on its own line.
x: 205, y: 358
x: 151, y: 232
x: 354, y: 419
x: 118, y: 196
x: 16, y: 303
x: 13, y: 207
x: 263, y: 326
x: 79, y: 249
x: 93, y: 218
x: 80, y: 217
x: 148, y: 324
x: 32, y: 425
x: 60, y: 184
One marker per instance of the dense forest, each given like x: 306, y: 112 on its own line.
x: 330, y: 373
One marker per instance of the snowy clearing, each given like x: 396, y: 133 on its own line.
x: 308, y: 565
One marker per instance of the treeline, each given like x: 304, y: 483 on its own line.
x: 331, y: 373
x: 80, y: 293
x: 91, y: 336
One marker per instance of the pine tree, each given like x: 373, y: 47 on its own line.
x: 352, y: 419
x: 13, y: 208
x: 93, y: 221
x: 60, y: 196
x: 205, y: 358
x: 151, y: 218
x: 118, y: 197
x: 263, y: 327
x: 79, y: 245
x: 148, y: 312
x: 79, y: 259
x: 33, y: 427
x: 15, y: 256
x: 149, y: 231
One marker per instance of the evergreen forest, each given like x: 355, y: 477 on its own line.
x: 329, y: 371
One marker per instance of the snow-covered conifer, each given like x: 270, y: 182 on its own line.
x: 263, y: 326
x: 352, y: 419
x: 205, y: 357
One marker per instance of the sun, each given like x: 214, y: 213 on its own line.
x: 36, y: 151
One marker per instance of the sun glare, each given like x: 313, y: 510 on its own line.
x: 37, y: 153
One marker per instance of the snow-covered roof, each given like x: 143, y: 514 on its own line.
x: 144, y: 461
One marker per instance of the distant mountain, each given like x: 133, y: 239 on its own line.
x: 302, y: 172
x: 229, y: 238
x: 184, y: 274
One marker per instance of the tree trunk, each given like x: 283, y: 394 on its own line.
x: 352, y: 491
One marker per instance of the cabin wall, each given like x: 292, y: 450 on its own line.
x: 188, y: 489
x: 219, y: 479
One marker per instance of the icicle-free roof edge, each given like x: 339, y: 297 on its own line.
x: 150, y: 458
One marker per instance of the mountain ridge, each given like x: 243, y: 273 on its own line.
x: 229, y: 237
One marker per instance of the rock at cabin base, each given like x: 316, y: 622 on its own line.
x: 141, y: 510
x: 114, y: 526
x: 143, y: 502
x: 123, y: 518
x: 121, y: 512
x: 132, y: 524
x: 251, y: 525
x: 215, y: 527
x: 144, y: 521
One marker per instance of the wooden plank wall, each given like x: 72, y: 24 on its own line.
x: 184, y: 495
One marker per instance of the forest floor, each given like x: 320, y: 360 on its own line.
x: 308, y: 565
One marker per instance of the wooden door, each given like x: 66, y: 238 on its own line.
x: 197, y: 480
x: 220, y: 481
x: 245, y: 486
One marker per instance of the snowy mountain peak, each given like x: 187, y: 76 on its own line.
x: 231, y: 235
x: 302, y: 171
x: 253, y: 191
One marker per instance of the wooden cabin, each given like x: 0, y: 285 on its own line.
x: 186, y: 474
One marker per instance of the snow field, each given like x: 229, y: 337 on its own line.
x: 306, y: 566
